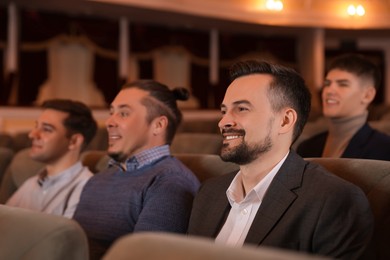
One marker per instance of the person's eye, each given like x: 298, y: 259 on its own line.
x: 47, y: 129
x: 241, y: 109
x: 124, y: 114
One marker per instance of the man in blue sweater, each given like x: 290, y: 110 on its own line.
x: 144, y: 188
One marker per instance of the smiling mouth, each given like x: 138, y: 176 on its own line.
x: 231, y: 137
x: 114, y: 137
x: 331, y: 101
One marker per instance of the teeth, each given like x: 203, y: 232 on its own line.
x: 331, y: 101
x: 230, y: 137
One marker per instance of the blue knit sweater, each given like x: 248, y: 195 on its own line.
x: 157, y: 197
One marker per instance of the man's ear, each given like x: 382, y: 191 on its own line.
x: 288, y: 121
x: 369, y: 95
x: 76, y: 141
x: 159, y: 124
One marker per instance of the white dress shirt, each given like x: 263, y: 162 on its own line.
x: 242, y: 213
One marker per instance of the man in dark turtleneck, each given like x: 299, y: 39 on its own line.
x: 349, y: 87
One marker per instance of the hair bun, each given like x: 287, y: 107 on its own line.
x: 181, y: 93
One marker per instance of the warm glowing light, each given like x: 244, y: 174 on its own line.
x: 360, y: 10
x: 356, y: 10
x: 274, y: 5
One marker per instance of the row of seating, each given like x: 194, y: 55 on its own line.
x: 372, y: 176
x: 184, y: 142
x: 189, y: 142
x: 192, y: 137
x: 38, y: 236
x: 194, y: 128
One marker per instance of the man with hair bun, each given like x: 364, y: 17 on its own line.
x: 144, y: 188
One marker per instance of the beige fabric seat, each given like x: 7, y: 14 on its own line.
x: 6, y: 140
x: 20, y: 169
x: 37, y: 236
x: 155, y: 246
x: 6, y: 155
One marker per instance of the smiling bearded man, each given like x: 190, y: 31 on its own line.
x: 277, y: 198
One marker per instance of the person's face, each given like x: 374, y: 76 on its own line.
x: 247, y: 119
x: 49, y: 140
x: 344, y: 94
x: 128, y: 130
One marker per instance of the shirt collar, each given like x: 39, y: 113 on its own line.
x: 44, y: 180
x: 143, y: 158
x: 258, y: 192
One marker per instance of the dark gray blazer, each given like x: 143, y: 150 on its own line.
x: 306, y: 208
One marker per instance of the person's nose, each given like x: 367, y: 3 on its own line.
x: 328, y: 91
x: 33, y: 133
x: 110, y: 121
x: 227, y: 121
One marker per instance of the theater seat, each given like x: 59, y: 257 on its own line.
x: 38, y: 236
x: 206, y: 143
x: 6, y: 155
x: 204, y: 166
x: 373, y: 177
x: 20, y: 169
x: 156, y: 246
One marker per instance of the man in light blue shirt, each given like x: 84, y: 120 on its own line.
x: 61, y: 133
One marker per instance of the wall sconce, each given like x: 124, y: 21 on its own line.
x: 274, y: 5
x: 358, y: 10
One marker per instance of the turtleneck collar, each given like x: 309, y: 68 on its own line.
x: 341, y: 130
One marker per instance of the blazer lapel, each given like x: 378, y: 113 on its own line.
x: 358, y: 142
x: 278, y: 198
x: 220, y: 207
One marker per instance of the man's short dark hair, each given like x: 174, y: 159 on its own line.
x: 80, y: 118
x: 359, y: 65
x: 287, y: 89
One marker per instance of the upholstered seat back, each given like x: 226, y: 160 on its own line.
x: 373, y: 177
x: 20, y: 169
x: 204, y: 166
x: 178, y: 247
x: 197, y: 143
x: 32, y: 235
x: 6, y: 140
x: 6, y: 155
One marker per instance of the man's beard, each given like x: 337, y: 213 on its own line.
x: 118, y: 157
x: 244, y: 153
